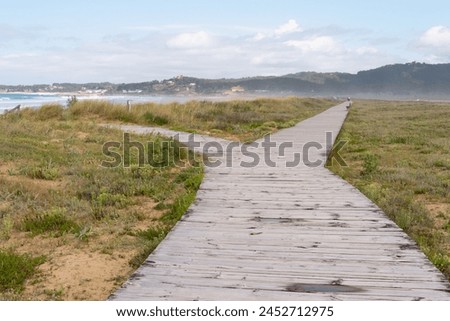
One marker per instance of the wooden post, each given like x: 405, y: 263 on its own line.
x: 17, y: 108
x: 129, y: 105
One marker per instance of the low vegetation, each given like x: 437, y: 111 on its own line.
x: 77, y: 230
x: 58, y: 205
x: 398, y: 154
x: 235, y: 120
x: 71, y: 229
x: 16, y: 269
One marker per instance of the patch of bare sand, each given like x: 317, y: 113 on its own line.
x: 72, y: 271
x: 440, y: 213
x: 147, y: 213
x: 79, y: 274
x: 36, y: 185
x: 4, y: 205
x: 438, y: 207
x: 85, y: 270
x: 82, y: 135
x: 6, y: 167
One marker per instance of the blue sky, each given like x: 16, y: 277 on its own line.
x: 136, y: 40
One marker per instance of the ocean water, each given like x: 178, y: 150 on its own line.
x: 9, y: 100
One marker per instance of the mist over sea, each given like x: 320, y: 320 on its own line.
x: 11, y: 100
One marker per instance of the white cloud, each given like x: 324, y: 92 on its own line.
x: 191, y: 40
x: 437, y: 36
x: 264, y: 59
x: 147, y: 55
x: 289, y: 27
x: 320, y: 44
x: 434, y: 45
x: 366, y: 50
x: 259, y: 36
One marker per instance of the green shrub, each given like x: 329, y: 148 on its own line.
x: 47, y: 112
x: 154, y: 232
x: 151, y: 238
x: 6, y: 226
x: 40, y: 172
x: 117, y: 200
x: 155, y: 119
x: 370, y: 164
x: 54, y: 221
x: 15, y: 269
x: 179, y: 207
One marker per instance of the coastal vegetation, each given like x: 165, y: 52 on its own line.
x: 71, y: 229
x: 398, y: 155
x: 244, y: 120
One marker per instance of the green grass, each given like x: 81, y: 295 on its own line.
x: 239, y: 120
x: 150, y: 238
x: 398, y: 155
x: 191, y: 178
x: 40, y: 171
x: 54, y: 221
x: 15, y: 269
x: 55, y: 187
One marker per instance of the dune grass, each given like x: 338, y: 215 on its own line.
x: 399, y: 156
x: 52, y: 187
x: 15, y: 269
x: 235, y: 120
x: 54, y: 191
x: 55, y: 197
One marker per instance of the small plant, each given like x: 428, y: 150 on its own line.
x: 440, y: 163
x: 15, y: 269
x: 46, y: 171
x: 6, y: 227
x: 155, y: 119
x: 370, y: 164
x: 99, y: 212
x: 84, y: 233
x: 47, y: 112
x: 153, y: 233
x: 54, y: 221
x: 151, y: 237
x: 72, y: 101
x: 179, y: 207
x: 441, y: 261
x: 54, y: 295
x: 117, y: 200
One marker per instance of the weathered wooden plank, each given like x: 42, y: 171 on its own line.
x: 277, y: 279
x: 292, y: 274
x: 229, y: 293
x: 306, y: 251
x: 298, y: 255
x: 371, y: 290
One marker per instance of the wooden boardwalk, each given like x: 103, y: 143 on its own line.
x: 284, y: 233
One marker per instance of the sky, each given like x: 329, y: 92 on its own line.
x: 46, y: 41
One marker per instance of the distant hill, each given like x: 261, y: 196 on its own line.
x: 411, y: 80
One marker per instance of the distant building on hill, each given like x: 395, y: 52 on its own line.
x: 237, y: 89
